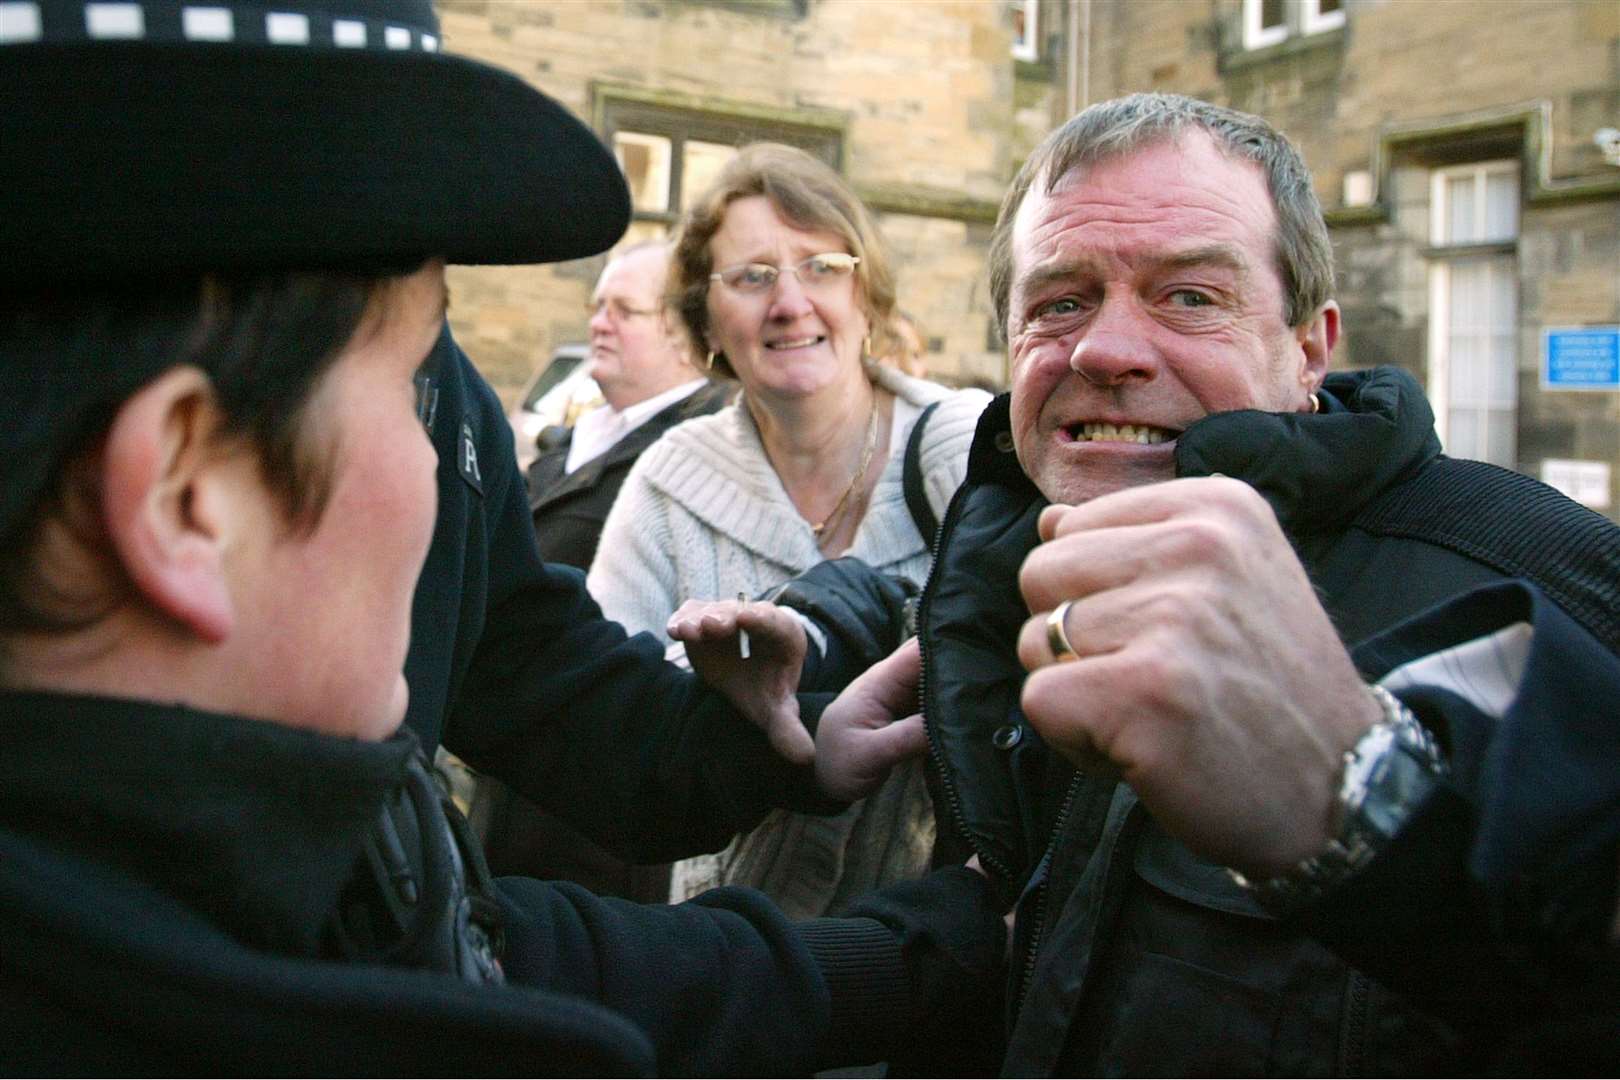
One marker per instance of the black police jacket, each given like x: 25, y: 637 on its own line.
x: 512, y: 664
x: 187, y: 893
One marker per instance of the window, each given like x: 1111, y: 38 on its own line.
x: 1474, y: 310
x: 1268, y: 22
x: 659, y: 190
x: 670, y: 156
x: 645, y: 161
x: 1026, y: 42
x: 1265, y: 22
x: 1316, y: 16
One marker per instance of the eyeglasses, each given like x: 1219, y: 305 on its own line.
x: 818, y: 271
x: 617, y: 310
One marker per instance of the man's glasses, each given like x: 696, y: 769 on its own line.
x: 818, y: 271
x: 617, y: 310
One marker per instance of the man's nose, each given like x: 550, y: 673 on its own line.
x: 601, y: 322
x: 1117, y: 346
x: 788, y: 298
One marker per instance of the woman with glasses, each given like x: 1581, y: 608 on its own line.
x: 780, y: 277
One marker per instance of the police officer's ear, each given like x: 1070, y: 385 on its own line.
x: 168, y: 491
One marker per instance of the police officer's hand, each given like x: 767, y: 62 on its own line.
x: 871, y: 727
x: 762, y: 684
x: 1205, y: 669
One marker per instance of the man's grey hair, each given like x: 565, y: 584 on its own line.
x: 1113, y: 129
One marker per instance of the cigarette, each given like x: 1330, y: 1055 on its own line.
x: 742, y: 635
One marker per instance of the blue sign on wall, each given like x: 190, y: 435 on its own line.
x: 1581, y: 358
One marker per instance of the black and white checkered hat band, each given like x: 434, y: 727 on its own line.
x: 25, y: 21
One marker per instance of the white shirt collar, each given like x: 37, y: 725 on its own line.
x: 600, y: 430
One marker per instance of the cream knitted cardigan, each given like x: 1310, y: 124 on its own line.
x: 703, y: 515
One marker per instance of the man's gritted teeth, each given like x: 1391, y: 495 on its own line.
x: 1098, y: 431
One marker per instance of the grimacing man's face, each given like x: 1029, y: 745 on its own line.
x: 1144, y: 296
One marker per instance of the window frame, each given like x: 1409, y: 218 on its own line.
x: 1256, y: 36
x: 1028, y: 49
x: 1301, y: 18
x: 1443, y: 257
x: 680, y: 125
x: 1481, y: 171
x: 1312, y: 20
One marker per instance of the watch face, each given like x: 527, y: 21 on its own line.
x: 1388, y: 775
x: 1361, y: 764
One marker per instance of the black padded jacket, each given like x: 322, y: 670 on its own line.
x: 1132, y: 955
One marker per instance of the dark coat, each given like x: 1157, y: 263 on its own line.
x: 519, y: 837
x: 170, y: 882
x: 1136, y: 956
x: 167, y: 877
x: 569, y: 509
x: 513, y: 664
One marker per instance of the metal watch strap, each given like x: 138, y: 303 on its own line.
x: 1386, y: 776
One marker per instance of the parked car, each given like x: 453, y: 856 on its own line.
x: 558, y: 394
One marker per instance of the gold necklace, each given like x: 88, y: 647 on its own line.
x: 860, y: 470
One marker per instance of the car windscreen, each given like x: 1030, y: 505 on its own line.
x: 555, y: 372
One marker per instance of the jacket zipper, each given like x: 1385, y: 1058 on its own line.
x: 1044, y: 891
x: 947, y: 782
x: 1353, y: 1037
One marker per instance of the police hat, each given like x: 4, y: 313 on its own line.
x: 163, y: 136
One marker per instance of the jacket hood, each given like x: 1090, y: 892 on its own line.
x: 1317, y: 470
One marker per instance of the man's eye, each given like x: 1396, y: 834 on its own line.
x: 1191, y: 298
x: 1067, y: 305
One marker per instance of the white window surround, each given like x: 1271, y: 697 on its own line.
x: 1256, y: 36
x: 1487, y: 218
x: 1027, y: 46
x: 1302, y: 17
x: 1473, y: 311
x: 1313, y: 20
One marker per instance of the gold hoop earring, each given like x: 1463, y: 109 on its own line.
x: 1316, y: 404
x: 710, y: 362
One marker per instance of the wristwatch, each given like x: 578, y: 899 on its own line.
x: 1386, y: 776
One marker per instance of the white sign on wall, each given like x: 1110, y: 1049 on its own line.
x: 1587, y: 482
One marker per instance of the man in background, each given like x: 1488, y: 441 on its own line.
x: 642, y: 364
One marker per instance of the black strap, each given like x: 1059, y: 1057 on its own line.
x: 422, y: 896
x: 912, y: 481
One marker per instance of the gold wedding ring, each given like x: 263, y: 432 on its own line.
x: 1057, y: 638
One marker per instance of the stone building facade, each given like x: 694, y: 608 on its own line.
x: 1467, y: 156
x: 1458, y: 149
x: 908, y: 100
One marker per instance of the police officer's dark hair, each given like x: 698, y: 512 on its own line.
x: 70, y: 357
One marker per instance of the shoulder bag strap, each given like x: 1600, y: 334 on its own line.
x: 912, y: 481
